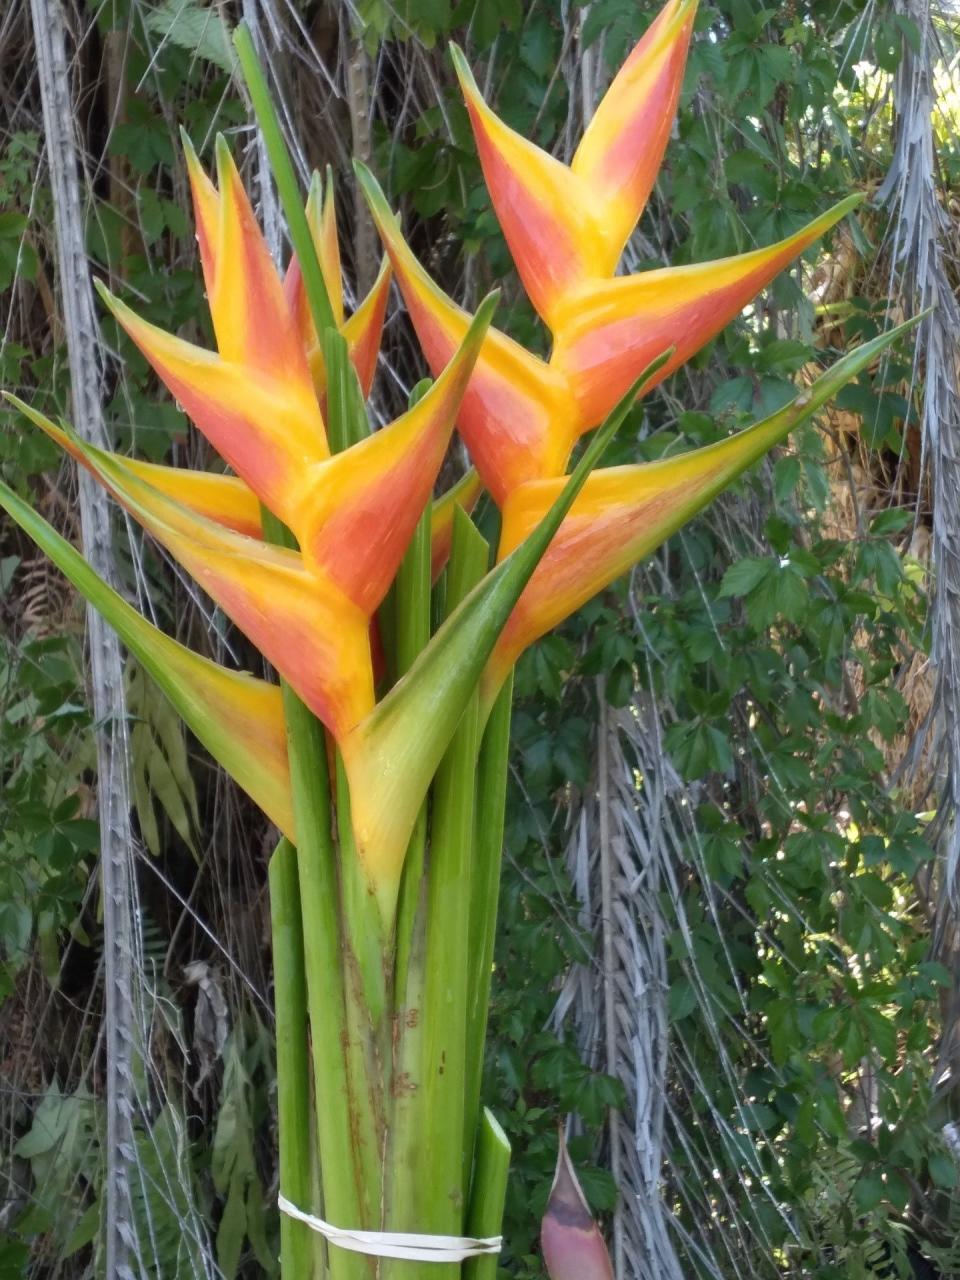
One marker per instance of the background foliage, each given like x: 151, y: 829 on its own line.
x: 781, y: 639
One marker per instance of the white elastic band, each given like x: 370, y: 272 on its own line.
x: 396, y: 1244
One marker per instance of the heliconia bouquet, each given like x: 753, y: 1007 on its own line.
x: 381, y: 754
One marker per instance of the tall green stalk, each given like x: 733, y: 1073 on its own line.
x: 450, y: 886
x: 288, y: 188
x: 341, y: 1138
x: 298, y: 1244
x: 411, y: 612
x: 488, y: 857
x: 347, y: 1120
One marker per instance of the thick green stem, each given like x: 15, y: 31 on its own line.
x: 411, y: 634
x: 341, y: 1140
x: 298, y: 1244
x: 488, y: 1194
x: 362, y: 922
x: 425, y: 1185
x: 440, y: 1180
x: 488, y: 857
x: 365, y: 958
x: 346, y: 415
x: 347, y: 1082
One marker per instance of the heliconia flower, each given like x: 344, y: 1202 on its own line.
x: 355, y: 521
x: 255, y: 399
x: 364, y: 328
x: 299, y: 619
x: 624, y: 513
x: 521, y: 415
x: 392, y: 756
x: 518, y: 418
x: 573, y: 1248
x: 317, y: 636
x: 238, y: 718
x: 565, y: 225
x: 251, y: 316
x: 353, y: 515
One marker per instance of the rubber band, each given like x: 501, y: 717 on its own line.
x: 406, y: 1246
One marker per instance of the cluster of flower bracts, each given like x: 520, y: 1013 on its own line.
x: 261, y: 401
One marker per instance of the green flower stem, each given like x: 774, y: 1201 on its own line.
x: 297, y: 1241
x: 362, y: 922
x: 347, y: 1082
x: 488, y: 1194
x: 346, y: 413
x: 424, y: 1184
x: 288, y: 188
x: 439, y: 1181
x: 412, y: 632
x: 338, y: 1138
x: 411, y: 615
x: 366, y: 957
x: 405, y: 1157
x: 488, y: 856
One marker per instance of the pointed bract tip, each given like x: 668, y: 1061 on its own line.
x: 189, y: 149
x: 461, y: 65
x: 315, y: 193
x: 370, y: 186
x: 16, y: 402
x: 485, y: 311
x: 848, y: 203
x: 224, y: 158
x: 106, y: 297
x: 565, y: 1191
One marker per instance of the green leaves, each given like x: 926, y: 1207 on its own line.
x: 772, y: 588
x: 18, y: 258
x: 195, y: 28
x: 234, y: 1166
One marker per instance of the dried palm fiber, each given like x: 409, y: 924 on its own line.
x: 918, y: 233
x: 923, y: 251
x: 618, y: 1004
x: 864, y: 481
x: 123, y: 1028
x: 133, y: 1026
